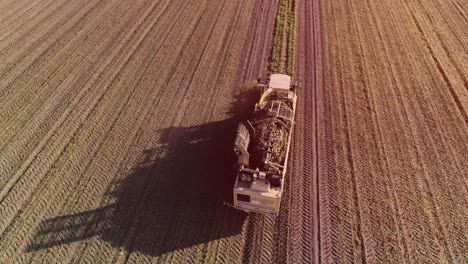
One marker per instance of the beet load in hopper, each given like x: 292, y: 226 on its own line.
x: 262, y: 146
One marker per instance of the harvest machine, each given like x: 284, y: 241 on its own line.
x: 262, y: 146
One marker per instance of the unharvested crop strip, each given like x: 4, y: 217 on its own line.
x: 283, y: 58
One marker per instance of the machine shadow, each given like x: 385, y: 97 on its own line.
x: 172, y: 200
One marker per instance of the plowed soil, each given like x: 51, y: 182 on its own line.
x: 392, y: 99
x: 117, y: 119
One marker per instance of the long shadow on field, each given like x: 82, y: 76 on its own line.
x: 174, y: 199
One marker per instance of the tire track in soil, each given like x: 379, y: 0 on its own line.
x: 460, y: 10
x: 304, y: 234
x: 327, y: 172
x: 37, y: 166
x: 303, y: 155
x: 451, y: 19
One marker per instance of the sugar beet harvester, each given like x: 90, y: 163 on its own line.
x: 262, y: 146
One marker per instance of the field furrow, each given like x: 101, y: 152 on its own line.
x: 13, y: 53
x: 117, y: 120
x: 22, y: 105
x: 13, y: 9
x: 21, y: 15
x: 61, y: 133
x: 66, y: 96
x: 75, y: 44
x: 401, y: 90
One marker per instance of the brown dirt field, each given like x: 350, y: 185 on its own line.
x: 117, y: 116
x: 392, y: 97
x: 115, y: 119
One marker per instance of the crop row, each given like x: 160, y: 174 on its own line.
x: 283, y: 59
x: 84, y: 108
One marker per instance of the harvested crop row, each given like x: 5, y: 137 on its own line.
x: 390, y: 186
x: 20, y: 16
x: 104, y: 168
x: 188, y: 233
x: 87, y: 159
x: 17, y: 15
x: 13, y: 53
x: 73, y: 117
x: 69, y: 43
x: 20, y: 106
x: 59, y: 106
x: 72, y: 165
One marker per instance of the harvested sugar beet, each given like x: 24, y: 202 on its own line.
x: 271, y: 137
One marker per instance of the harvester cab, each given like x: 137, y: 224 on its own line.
x: 262, y: 146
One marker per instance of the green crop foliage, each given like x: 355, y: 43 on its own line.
x: 284, y: 42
